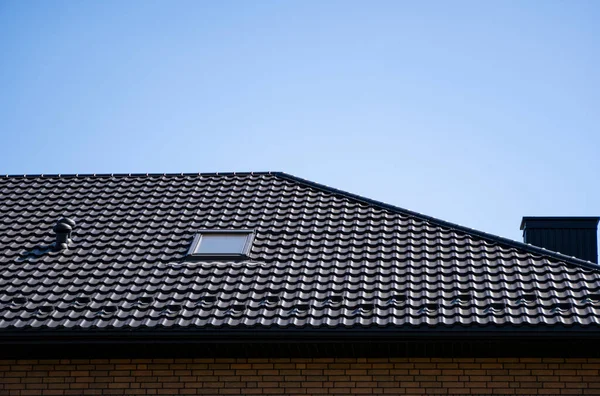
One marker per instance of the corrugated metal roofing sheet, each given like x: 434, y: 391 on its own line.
x: 320, y: 258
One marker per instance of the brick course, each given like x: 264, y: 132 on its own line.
x: 296, y: 376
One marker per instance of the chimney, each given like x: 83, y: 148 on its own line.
x: 573, y: 236
x: 63, y: 230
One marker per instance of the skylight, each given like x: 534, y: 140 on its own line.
x: 221, y: 243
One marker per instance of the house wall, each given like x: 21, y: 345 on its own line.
x: 295, y: 376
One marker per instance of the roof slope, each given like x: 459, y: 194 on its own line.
x: 320, y: 258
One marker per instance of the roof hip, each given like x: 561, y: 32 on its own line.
x: 490, y: 237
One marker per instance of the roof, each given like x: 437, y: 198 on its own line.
x: 331, y: 259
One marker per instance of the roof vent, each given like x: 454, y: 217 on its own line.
x: 63, y: 230
x: 81, y: 302
x: 171, y: 310
x: 592, y: 299
x: 144, y: 301
x: 332, y: 301
x: 396, y: 299
x: 526, y: 299
x: 207, y: 300
x: 428, y: 308
x: 561, y: 307
x: 269, y: 300
x: 16, y: 303
x: 44, y: 310
x: 573, y: 236
x: 495, y: 308
x: 235, y: 310
x: 461, y: 299
x: 299, y: 310
x: 363, y: 309
x: 106, y: 311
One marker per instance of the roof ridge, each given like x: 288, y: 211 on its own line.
x: 471, y: 231
x: 172, y: 174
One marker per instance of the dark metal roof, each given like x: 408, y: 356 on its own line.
x: 321, y: 258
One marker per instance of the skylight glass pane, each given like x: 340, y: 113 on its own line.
x: 221, y: 244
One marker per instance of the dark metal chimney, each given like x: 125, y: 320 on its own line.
x: 573, y: 236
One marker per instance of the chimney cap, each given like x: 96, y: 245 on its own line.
x: 559, y: 222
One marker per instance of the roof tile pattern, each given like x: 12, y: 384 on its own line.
x: 319, y: 259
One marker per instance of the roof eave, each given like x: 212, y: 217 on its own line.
x: 278, y: 334
x: 302, y: 343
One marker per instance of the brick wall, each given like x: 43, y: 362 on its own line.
x: 534, y: 376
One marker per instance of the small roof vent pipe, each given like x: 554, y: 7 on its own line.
x: 63, y: 230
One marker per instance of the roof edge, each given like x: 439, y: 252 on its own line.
x: 304, y: 333
x: 73, y: 175
x: 282, y: 343
x: 487, y: 236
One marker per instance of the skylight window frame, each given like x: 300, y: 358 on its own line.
x: 198, y: 239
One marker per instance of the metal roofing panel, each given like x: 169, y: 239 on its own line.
x: 324, y: 257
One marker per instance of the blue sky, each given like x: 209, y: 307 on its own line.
x: 474, y: 112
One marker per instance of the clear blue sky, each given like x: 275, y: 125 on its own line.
x: 474, y: 112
